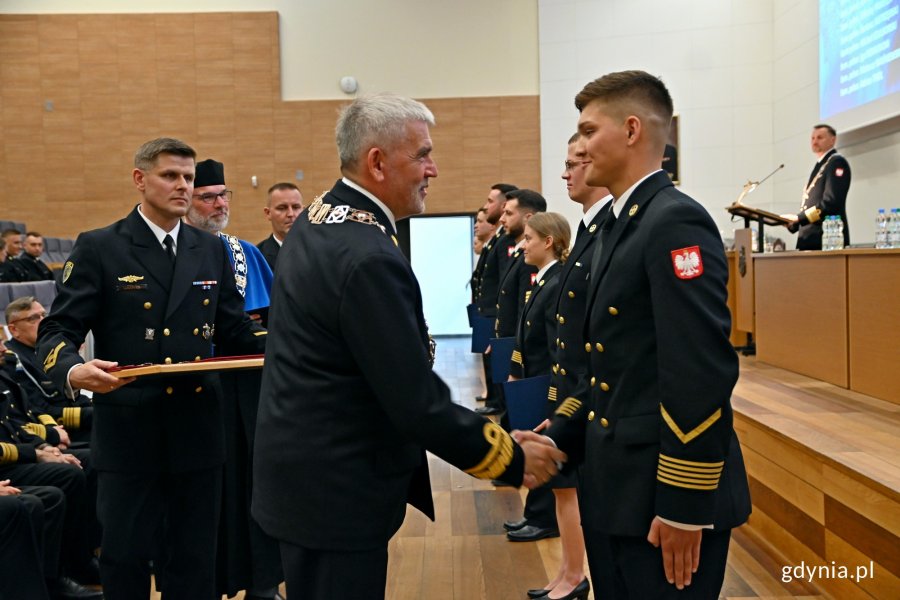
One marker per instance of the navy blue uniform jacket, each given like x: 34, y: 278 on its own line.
x: 349, y: 401
x: 119, y: 283
x: 653, y: 422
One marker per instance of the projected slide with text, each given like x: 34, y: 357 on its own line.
x: 859, y: 53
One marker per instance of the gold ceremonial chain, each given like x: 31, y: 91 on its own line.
x: 812, y: 183
x: 319, y: 212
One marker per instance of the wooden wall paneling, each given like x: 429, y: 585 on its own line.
x: 794, y: 292
x: 119, y: 80
x: 881, y: 583
x: 798, y: 492
x: 520, y: 140
x: 874, y: 303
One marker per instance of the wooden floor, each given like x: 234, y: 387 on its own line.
x: 464, y: 554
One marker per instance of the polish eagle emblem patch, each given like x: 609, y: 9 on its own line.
x: 687, y: 262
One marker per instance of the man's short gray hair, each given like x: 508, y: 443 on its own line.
x: 377, y: 120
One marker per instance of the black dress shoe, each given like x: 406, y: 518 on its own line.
x: 88, y: 573
x: 515, y: 525
x: 537, y: 593
x: 579, y: 593
x: 65, y: 588
x: 532, y: 533
x: 489, y: 410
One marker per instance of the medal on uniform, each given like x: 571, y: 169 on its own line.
x: 149, y: 333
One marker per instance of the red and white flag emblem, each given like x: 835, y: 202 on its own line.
x: 687, y: 262
x: 510, y: 251
x: 533, y: 278
x: 839, y: 171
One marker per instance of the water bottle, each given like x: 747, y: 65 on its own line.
x: 838, y: 233
x: 881, y: 230
x: 894, y: 229
x: 827, y: 234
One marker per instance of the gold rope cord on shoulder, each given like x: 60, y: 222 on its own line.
x: 498, y: 457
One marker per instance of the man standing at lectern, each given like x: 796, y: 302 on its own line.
x: 825, y: 193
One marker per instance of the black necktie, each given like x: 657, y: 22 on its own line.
x: 581, y: 228
x: 169, y: 243
x: 608, y: 224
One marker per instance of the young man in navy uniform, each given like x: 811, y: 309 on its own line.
x: 652, y: 425
x: 349, y: 402
x: 153, y: 290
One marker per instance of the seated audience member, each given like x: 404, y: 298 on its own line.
x: 12, y: 239
x: 285, y: 203
x: 27, y: 460
x: 11, y: 270
x: 23, y: 316
x: 30, y: 259
x: 21, y: 554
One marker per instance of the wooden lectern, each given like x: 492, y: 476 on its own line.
x: 763, y: 217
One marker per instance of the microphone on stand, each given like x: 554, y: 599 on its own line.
x: 752, y: 185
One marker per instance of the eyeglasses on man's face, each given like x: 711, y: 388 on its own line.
x: 571, y: 164
x: 30, y: 318
x: 225, y: 195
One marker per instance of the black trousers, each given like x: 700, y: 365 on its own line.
x: 72, y: 482
x: 51, y: 503
x: 21, y: 525
x: 326, y: 575
x: 629, y: 568
x: 145, y: 515
x: 540, y: 507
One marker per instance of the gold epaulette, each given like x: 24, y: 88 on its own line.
x: 689, y: 474
x: 498, y: 457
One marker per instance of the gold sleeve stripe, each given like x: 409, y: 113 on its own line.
x: 527, y: 296
x: 258, y: 333
x: 569, y: 407
x: 517, y: 357
x: 690, y: 486
x: 50, y: 361
x: 551, y: 394
x: 8, y: 453
x: 35, y: 429
x: 813, y: 214
x: 46, y: 419
x: 71, y: 417
x: 498, y: 457
x: 675, y: 474
x: 687, y: 437
x: 690, y: 466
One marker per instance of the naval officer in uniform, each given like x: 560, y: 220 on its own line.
x: 349, y: 402
x: 662, y: 469
x: 153, y: 290
x: 825, y: 194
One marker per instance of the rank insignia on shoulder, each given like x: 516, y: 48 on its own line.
x: 131, y: 278
x: 687, y: 262
x: 67, y: 270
